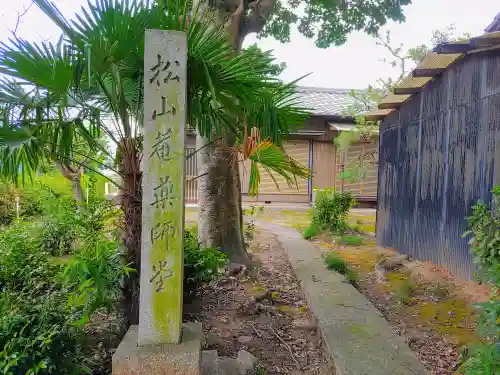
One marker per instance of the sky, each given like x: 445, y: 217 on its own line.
x: 355, y: 65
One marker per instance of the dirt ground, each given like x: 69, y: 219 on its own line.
x: 426, y: 305
x: 264, y: 312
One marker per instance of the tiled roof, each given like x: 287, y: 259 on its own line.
x: 324, y: 102
x: 435, y: 63
x: 494, y: 25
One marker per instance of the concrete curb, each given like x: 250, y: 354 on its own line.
x: 355, y: 334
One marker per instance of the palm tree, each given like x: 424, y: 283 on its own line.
x: 19, y: 105
x: 90, y: 83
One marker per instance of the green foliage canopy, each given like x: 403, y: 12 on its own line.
x: 330, y: 22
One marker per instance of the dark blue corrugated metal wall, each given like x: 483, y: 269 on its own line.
x: 437, y: 158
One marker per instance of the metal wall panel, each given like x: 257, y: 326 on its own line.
x: 440, y: 154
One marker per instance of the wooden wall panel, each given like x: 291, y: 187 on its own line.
x: 363, y: 187
x: 324, y: 165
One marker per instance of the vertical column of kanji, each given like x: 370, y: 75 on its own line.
x: 160, y: 311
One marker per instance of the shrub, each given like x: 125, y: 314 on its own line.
x: 29, y: 205
x: 483, y: 225
x: 331, y: 209
x: 93, y: 278
x: 201, y: 265
x: 58, y: 235
x: 22, y: 264
x: 36, y: 335
x: 351, y: 240
x: 311, y: 231
x: 482, y: 360
x: 43, y: 304
x: 7, y: 204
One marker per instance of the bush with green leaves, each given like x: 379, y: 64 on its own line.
x: 23, y: 265
x: 7, y: 204
x: 484, y: 229
x: 58, y: 231
x: 44, y: 302
x: 331, y: 209
x: 36, y: 335
x: 29, y: 205
x: 201, y: 265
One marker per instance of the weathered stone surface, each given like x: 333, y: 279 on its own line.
x: 245, y: 339
x: 213, y: 341
x: 356, y: 335
x: 247, y: 362
x: 163, y: 359
x: 305, y: 325
x: 228, y: 366
x: 160, y: 312
x: 209, y: 365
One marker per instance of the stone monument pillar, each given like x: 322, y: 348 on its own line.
x: 161, y: 344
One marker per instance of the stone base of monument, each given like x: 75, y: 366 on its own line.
x: 164, y: 359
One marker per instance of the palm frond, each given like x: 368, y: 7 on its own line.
x: 274, y: 159
x: 91, y: 80
x: 270, y: 157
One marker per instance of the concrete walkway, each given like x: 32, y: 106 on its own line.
x: 354, y: 332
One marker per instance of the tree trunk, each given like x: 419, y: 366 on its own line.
x: 220, y: 222
x: 74, y: 175
x: 131, y: 204
x: 76, y: 187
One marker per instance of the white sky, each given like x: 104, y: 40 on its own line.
x: 353, y: 65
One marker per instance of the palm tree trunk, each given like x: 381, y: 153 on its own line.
x: 220, y: 222
x: 131, y: 204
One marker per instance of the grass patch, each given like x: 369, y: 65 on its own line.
x: 406, y: 291
x: 351, y: 240
x: 335, y: 263
x: 365, y: 260
x: 310, y: 231
x: 352, y: 276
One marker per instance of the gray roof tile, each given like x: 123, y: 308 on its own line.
x: 324, y: 102
x: 494, y: 25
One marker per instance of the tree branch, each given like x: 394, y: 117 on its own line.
x: 18, y: 21
x: 396, y: 53
x: 255, y: 21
